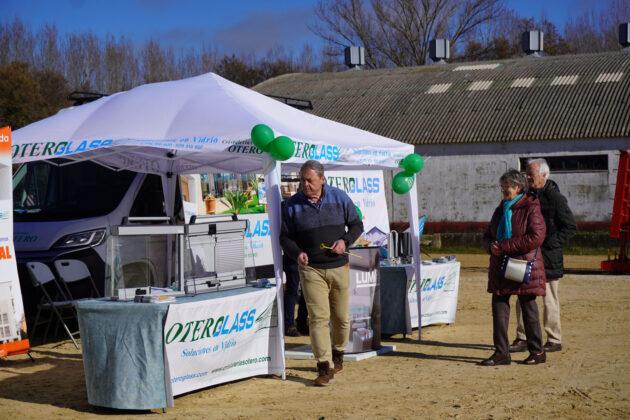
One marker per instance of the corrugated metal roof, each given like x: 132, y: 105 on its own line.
x: 525, y: 99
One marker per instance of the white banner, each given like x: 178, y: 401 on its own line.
x: 440, y: 285
x: 367, y: 191
x: 212, y: 342
x: 257, y: 240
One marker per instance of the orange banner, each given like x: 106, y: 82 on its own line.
x: 5, y: 140
x: 14, y: 347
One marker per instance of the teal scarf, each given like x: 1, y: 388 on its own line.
x: 504, y: 231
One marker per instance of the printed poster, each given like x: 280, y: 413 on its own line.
x: 364, y: 301
x: 257, y: 240
x: 367, y: 191
x: 13, y: 334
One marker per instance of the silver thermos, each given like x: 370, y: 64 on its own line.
x: 392, y: 247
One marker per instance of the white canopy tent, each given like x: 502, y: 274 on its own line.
x: 203, y: 124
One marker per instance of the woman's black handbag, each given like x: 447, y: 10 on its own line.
x: 517, y: 270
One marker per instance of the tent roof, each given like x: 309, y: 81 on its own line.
x: 199, y: 124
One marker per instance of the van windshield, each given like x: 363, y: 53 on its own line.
x: 45, y: 192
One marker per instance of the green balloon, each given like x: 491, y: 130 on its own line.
x: 412, y: 163
x: 282, y: 148
x: 402, y: 182
x: 262, y: 136
x: 359, y: 212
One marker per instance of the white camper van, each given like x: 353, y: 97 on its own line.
x: 65, y: 212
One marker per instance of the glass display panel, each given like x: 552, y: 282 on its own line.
x: 143, y: 265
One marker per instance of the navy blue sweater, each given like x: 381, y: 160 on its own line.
x: 305, y: 227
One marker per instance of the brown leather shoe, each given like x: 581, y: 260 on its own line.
x: 325, y: 374
x: 292, y: 332
x: 337, y: 357
x: 551, y: 347
x: 535, y: 359
x: 518, y: 345
x: 497, y: 359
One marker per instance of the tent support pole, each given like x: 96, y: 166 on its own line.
x: 169, y: 189
x: 274, y: 199
x: 414, y: 220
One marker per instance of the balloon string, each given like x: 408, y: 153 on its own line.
x: 258, y: 179
x: 265, y: 170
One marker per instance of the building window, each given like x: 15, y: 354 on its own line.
x: 575, y: 163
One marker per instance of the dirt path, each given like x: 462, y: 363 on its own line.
x: 438, y: 378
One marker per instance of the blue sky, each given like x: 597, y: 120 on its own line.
x: 239, y: 26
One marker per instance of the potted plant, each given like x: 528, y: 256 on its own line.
x: 211, y: 203
x: 235, y: 200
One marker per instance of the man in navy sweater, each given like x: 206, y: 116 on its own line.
x: 319, y: 215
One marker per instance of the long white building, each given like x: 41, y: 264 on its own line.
x: 475, y: 120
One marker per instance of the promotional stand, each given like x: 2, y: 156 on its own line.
x: 13, y: 336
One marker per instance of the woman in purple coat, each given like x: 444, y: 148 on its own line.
x: 517, y: 229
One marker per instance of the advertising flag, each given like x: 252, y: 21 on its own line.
x: 13, y: 336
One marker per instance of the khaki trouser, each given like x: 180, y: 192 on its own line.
x: 326, y: 292
x: 551, y: 315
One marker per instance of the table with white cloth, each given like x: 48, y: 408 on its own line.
x: 139, y: 355
x: 398, y: 293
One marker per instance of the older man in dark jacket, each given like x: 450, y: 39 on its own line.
x: 318, y: 223
x: 560, y: 227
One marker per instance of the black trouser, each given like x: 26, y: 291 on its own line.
x: 290, y: 294
x: 501, y: 319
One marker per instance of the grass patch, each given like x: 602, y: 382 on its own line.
x: 450, y: 250
x: 587, y: 251
x: 437, y: 252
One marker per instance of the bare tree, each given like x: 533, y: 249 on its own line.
x: 306, y: 62
x: 502, y: 38
x: 121, y: 65
x: 95, y: 62
x: 398, y: 32
x: 190, y: 64
x: 595, y: 31
x: 48, y: 57
x: 17, y: 43
x: 75, y: 56
x: 209, y: 58
x: 156, y: 64
x: 5, y: 44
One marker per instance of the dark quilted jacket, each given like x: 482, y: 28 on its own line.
x: 560, y: 227
x: 528, y: 233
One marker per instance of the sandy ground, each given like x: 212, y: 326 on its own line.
x: 436, y: 378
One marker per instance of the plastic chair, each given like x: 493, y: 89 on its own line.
x: 72, y: 272
x: 53, y: 299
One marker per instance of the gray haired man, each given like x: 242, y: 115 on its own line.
x: 317, y: 215
x: 560, y: 227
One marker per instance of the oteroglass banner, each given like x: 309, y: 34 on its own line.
x: 233, y: 338
x: 440, y: 285
x: 367, y: 191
